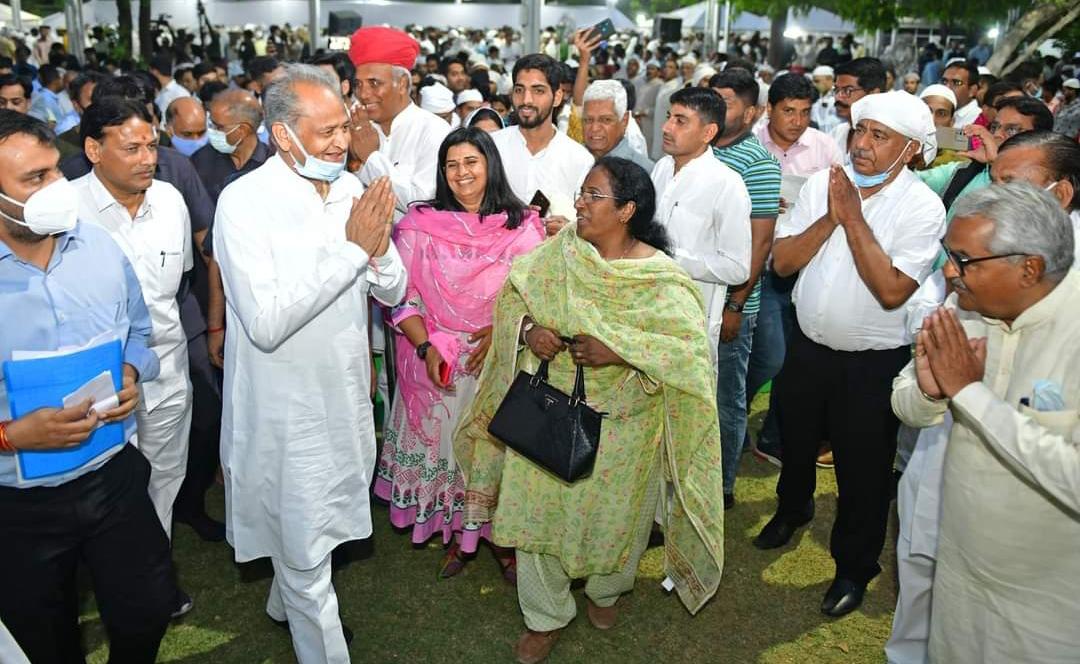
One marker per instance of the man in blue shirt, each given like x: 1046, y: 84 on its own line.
x: 64, y: 284
x: 45, y: 104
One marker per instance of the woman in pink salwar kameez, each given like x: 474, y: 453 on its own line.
x: 457, y: 249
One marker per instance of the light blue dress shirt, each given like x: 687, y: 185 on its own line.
x: 88, y: 289
x: 45, y: 105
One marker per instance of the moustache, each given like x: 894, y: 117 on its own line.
x: 860, y: 153
x: 957, y: 284
x: 842, y: 104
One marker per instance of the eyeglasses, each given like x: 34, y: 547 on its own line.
x: 953, y: 82
x: 847, y: 90
x: 1009, y: 130
x: 961, y: 262
x: 591, y: 197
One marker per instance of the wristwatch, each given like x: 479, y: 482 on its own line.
x: 734, y: 306
x: 422, y: 349
x: 525, y: 331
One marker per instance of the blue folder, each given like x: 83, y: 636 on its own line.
x: 44, y: 382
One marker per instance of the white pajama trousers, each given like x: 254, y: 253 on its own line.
x: 306, y: 598
x: 163, y: 440
x: 910, y: 638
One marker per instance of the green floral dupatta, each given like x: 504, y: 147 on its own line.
x: 650, y: 313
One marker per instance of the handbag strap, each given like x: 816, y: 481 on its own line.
x: 578, y: 395
x: 541, y: 375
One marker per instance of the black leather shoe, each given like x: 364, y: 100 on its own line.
x: 842, y: 597
x: 345, y: 631
x: 778, y: 531
x: 206, y: 528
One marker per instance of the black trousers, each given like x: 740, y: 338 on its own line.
x: 205, y: 437
x: 106, y: 520
x: 841, y: 397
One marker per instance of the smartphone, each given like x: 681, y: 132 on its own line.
x: 444, y: 373
x: 541, y: 201
x: 949, y: 138
x: 604, y: 29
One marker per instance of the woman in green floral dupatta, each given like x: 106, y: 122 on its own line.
x: 639, y: 326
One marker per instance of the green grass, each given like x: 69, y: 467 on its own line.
x: 765, y: 611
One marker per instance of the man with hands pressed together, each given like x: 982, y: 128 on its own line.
x: 862, y: 250
x: 301, y: 247
x: 1003, y: 358
x: 63, y: 283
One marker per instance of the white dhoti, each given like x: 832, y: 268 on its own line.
x: 163, y: 440
x: 918, y: 503
x: 306, y: 598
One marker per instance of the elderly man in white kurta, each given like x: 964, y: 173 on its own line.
x: 702, y: 203
x: 149, y: 220
x: 398, y: 140
x: 299, y: 254
x: 1003, y: 357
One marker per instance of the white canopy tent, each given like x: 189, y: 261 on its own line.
x: 28, y: 20
x: 235, y: 13
x: 814, y: 22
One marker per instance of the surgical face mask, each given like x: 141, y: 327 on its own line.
x: 870, y: 181
x: 188, y: 146
x: 50, y: 210
x: 220, y: 139
x: 314, y: 168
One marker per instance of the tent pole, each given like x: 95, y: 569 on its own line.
x: 530, y: 25
x: 726, y: 27
x: 313, y: 25
x: 16, y: 15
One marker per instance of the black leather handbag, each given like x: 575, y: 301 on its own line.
x: 556, y: 431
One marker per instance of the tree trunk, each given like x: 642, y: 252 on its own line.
x: 146, y: 41
x: 777, y: 26
x: 123, y: 25
x: 1034, y: 44
x: 1028, y: 22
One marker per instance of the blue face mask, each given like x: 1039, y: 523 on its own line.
x: 220, y: 139
x: 188, y: 146
x: 869, y: 181
x: 314, y: 168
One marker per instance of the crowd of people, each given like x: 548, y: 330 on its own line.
x: 413, y: 222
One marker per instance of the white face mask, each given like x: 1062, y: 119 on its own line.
x: 50, y: 210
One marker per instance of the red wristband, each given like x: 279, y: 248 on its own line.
x: 5, y: 444
x: 215, y: 330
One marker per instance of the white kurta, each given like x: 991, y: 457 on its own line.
x: 1007, y: 583
x: 709, y: 227
x: 409, y: 155
x: 297, y: 434
x: 558, y: 170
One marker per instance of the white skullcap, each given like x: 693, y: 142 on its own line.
x: 903, y: 113
x: 823, y: 70
x: 985, y: 71
x: 469, y: 95
x: 436, y: 98
x: 939, y: 90
x: 703, y: 71
x: 688, y: 59
x: 1071, y: 83
x: 652, y: 63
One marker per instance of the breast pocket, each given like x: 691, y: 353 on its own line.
x: 1062, y: 422
x: 170, y: 264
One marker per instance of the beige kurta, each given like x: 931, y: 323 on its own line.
x: 1007, y: 586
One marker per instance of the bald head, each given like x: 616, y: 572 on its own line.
x: 236, y: 106
x: 186, y: 118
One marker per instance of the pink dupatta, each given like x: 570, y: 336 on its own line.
x: 457, y: 265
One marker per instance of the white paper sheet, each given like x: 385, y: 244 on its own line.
x: 99, y: 390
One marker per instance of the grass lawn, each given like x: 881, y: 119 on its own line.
x: 766, y: 609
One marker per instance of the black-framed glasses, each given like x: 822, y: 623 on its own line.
x: 961, y: 262
x: 1009, y: 130
x: 847, y: 90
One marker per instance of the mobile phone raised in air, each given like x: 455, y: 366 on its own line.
x: 604, y: 29
x: 541, y: 201
x: 444, y: 373
x: 949, y: 138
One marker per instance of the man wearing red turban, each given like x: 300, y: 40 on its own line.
x: 392, y: 136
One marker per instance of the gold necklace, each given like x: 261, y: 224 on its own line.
x: 628, y: 250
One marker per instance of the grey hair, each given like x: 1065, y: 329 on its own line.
x: 401, y: 72
x: 604, y: 90
x: 280, y: 101
x: 1027, y: 220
